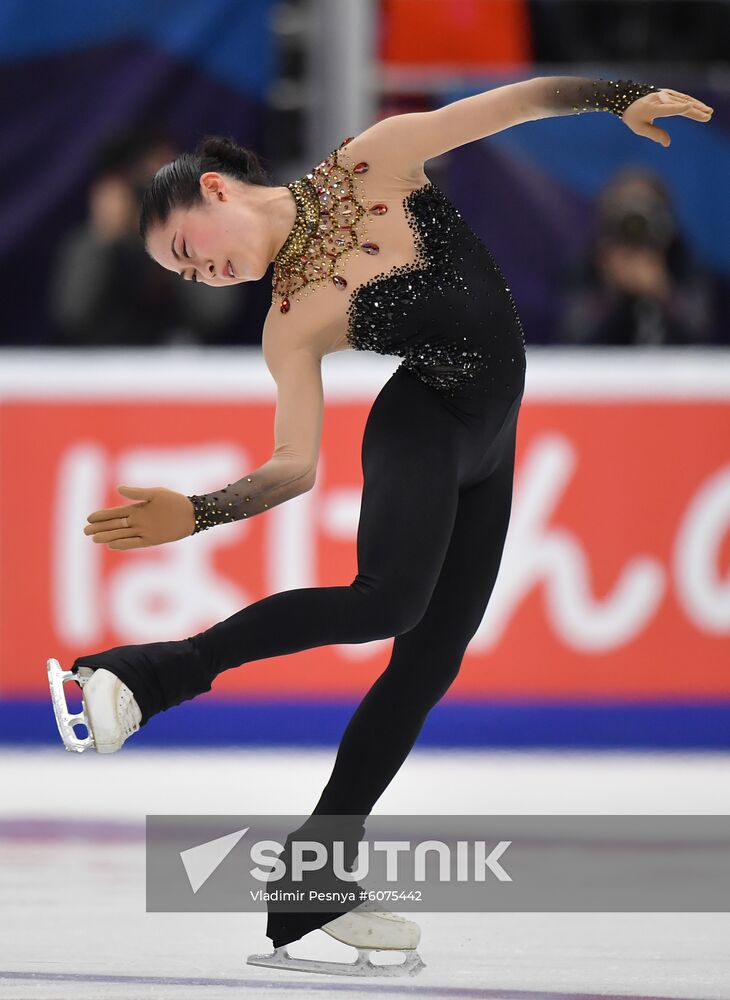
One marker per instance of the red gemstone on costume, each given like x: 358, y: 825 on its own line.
x: 370, y: 247
x: 361, y: 168
x: 379, y: 209
x: 285, y: 306
x: 340, y: 282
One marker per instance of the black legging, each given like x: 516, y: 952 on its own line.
x: 437, y: 490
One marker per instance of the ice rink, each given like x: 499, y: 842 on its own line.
x: 72, y: 873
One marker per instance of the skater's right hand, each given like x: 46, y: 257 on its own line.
x: 640, y: 115
x: 161, y: 516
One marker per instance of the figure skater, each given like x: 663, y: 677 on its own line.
x: 368, y: 254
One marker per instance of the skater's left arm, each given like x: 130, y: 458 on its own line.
x: 162, y: 515
x: 292, y: 468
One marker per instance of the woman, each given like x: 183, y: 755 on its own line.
x: 369, y: 255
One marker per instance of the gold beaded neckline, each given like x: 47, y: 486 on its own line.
x: 325, y: 231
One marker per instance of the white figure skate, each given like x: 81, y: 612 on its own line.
x: 367, y: 930
x: 109, y: 711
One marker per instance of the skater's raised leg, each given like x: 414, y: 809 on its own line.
x: 411, y: 454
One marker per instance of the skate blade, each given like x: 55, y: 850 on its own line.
x: 64, y: 719
x: 281, y: 959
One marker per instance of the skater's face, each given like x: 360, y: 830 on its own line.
x: 230, y: 237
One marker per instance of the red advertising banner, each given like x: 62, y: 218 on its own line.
x: 615, y: 580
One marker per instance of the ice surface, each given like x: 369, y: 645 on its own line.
x: 73, y: 895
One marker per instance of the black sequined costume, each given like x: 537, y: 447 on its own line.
x: 451, y: 316
x: 437, y: 457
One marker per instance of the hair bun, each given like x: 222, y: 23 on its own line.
x: 226, y: 149
x: 224, y: 155
x: 177, y: 184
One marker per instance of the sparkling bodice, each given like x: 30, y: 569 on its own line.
x: 450, y: 314
x: 396, y: 270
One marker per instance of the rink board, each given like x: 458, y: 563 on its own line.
x: 610, y: 621
x: 215, y: 722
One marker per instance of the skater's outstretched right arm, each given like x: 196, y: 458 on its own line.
x: 291, y: 470
x: 402, y: 143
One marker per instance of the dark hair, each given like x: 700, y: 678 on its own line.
x: 177, y: 184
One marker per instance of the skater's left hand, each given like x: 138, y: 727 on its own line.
x: 641, y: 113
x: 160, y: 516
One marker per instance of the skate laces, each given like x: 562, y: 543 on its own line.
x: 128, y: 711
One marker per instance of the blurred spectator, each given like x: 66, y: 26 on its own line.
x: 106, y: 290
x: 643, y: 30
x: 639, y: 283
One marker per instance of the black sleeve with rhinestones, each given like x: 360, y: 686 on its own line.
x: 266, y: 487
x: 564, y: 95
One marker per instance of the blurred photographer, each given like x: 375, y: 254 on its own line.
x: 639, y: 283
